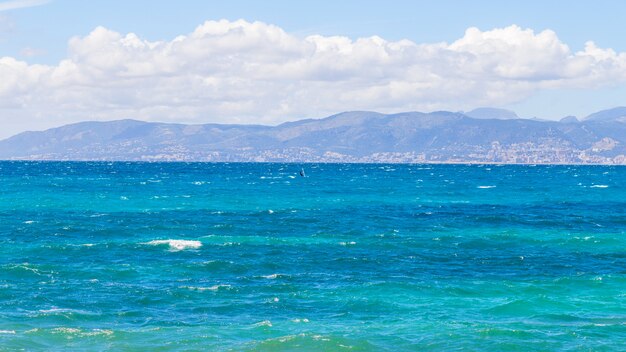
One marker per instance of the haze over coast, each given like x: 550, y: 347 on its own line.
x: 483, y: 135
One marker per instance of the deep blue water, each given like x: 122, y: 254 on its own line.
x: 355, y: 257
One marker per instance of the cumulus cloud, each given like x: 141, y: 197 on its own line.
x: 253, y: 72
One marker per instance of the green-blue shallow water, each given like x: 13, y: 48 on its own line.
x: 203, y: 256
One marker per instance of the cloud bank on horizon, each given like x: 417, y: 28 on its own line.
x: 253, y: 72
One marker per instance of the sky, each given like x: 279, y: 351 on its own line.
x: 267, y: 62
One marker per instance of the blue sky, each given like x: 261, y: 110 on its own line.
x: 50, y: 26
x: 38, y: 32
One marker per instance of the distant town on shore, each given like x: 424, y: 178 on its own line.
x: 484, y: 135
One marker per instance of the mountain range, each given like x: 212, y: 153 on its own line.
x: 479, y: 136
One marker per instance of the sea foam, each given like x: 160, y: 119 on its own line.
x: 263, y: 323
x: 271, y: 277
x: 209, y: 288
x: 176, y: 245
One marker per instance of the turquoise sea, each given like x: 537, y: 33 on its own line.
x: 101, y: 256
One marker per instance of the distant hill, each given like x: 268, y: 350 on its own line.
x: 492, y: 113
x: 618, y: 113
x: 569, y: 119
x: 357, y: 136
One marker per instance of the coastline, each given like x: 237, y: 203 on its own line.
x: 305, y: 162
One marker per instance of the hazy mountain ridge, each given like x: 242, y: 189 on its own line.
x: 358, y: 136
x: 491, y: 113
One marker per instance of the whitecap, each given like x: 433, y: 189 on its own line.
x: 264, y: 323
x: 298, y: 320
x: 352, y: 243
x: 284, y: 339
x: 67, y: 330
x: 209, y: 288
x: 60, y: 311
x: 599, y: 186
x: 96, y: 332
x: 76, y: 331
x: 176, y: 245
x: 29, y: 222
x: 11, y: 332
x: 486, y: 187
x: 271, y: 277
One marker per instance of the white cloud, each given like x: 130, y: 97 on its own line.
x: 31, y: 52
x: 6, y: 26
x: 19, y: 4
x: 243, y: 72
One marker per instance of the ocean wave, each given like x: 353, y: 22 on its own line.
x: 299, y: 320
x: 272, y: 276
x: 263, y: 323
x: 63, y: 312
x: 27, y: 267
x: 176, y: 245
x: 80, y: 332
x: 599, y: 186
x: 486, y: 187
x: 209, y: 288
